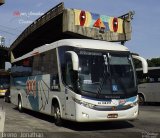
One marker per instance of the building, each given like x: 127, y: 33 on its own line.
x: 2, y: 41
x: 4, y: 57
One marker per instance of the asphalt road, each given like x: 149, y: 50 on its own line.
x: 31, y: 124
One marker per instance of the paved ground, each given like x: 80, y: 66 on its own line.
x: 38, y: 125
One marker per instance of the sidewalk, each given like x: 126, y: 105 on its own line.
x: 2, y: 119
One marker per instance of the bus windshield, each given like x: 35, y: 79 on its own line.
x: 109, y: 75
x: 102, y: 74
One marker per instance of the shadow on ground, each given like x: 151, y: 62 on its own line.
x: 151, y: 104
x: 97, y: 126
x: 82, y: 126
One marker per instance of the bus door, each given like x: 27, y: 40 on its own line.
x: 70, y: 106
x: 154, y: 87
x: 69, y: 90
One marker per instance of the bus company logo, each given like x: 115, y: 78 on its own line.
x: 31, y: 87
x: 122, y: 101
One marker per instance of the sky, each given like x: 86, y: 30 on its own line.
x: 16, y: 15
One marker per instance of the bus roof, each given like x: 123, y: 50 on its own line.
x: 79, y: 43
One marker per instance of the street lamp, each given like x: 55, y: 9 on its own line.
x: 2, y: 2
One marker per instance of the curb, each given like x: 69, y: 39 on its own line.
x: 2, y: 120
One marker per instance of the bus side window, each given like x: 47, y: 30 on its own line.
x: 54, y: 70
x: 46, y: 63
x: 22, y: 68
x: 36, y: 65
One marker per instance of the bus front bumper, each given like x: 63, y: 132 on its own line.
x: 84, y: 114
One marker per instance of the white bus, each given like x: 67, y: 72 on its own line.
x: 79, y: 80
x: 149, y: 85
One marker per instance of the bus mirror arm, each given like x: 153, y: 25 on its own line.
x: 144, y: 63
x: 75, y: 60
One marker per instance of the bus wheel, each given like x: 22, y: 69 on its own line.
x: 57, y: 115
x: 20, y: 104
x: 141, y: 99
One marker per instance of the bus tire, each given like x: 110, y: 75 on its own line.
x: 57, y: 115
x: 141, y: 99
x: 20, y: 108
x: 6, y: 100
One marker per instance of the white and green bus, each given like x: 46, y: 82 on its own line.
x: 77, y: 79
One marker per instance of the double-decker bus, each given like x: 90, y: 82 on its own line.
x: 149, y: 85
x: 77, y: 79
x: 4, y: 81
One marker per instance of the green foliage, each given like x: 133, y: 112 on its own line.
x: 137, y: 63
x: 154, y: 62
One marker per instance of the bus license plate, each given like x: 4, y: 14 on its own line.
x: 112, y: 116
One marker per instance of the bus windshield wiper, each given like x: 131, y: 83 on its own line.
x: 104, y: 77
x: 99, y: 89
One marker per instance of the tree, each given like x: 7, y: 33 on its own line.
x: 154, y: 62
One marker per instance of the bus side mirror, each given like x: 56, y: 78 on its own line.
x: 144, y: 63
x: 75, y: 60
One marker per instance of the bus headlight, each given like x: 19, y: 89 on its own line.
x: 85, y: 104
x: 134, y: 103
x: 88, y: 105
